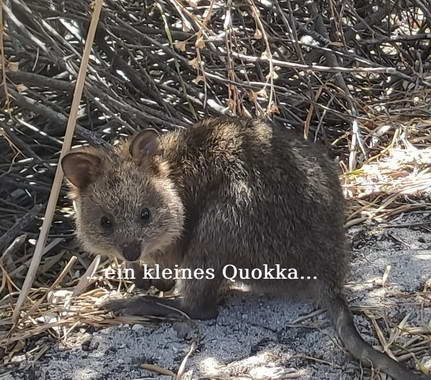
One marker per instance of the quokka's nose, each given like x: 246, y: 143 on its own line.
x: 132, y: 251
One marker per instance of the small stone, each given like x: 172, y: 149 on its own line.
x: 86, y: 346
x: 138, y: 327
x: 425, y: 365
x: 94, y: 345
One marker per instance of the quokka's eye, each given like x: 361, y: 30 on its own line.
x: 145, y: 215
x: 106, y: 222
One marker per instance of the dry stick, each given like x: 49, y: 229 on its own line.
x: 182, y: 367
x: 56, y: 186
x: 2, y: 56
x: 313, y: 67
x: 333, y: 62
x: 17, y: 228
x: 328, y: 69
x: 268, y: 53
x: 86, y: 279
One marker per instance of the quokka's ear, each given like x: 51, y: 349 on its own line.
x: 145, y: 143
x: 81, y: 167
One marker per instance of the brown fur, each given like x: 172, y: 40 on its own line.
x: 226, y: 191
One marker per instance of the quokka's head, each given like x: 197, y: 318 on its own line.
x: 126, y: 205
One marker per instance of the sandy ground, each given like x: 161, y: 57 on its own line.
x: 253, y: 337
